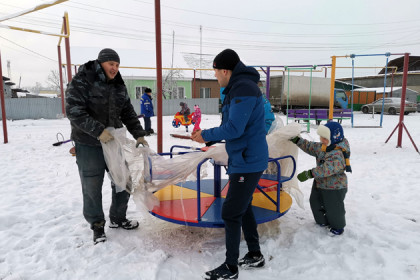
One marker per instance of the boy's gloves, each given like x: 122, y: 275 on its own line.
x: 105, y: 136
x: 295, y: 139
x: 305, y: 175
x: 142, y: 141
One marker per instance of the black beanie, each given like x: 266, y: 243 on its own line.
x: 227, y: 59
x: 108, y: 55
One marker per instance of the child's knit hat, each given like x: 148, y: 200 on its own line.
x: 331, y: 131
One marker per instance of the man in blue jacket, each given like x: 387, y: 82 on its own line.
x: 243, y: 129
x: 146, y: 109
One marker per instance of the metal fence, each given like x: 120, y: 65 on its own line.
x: 50, y: 108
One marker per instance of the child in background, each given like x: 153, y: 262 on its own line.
x: 185, y: 110
x: 197, y: 117
x: 330, y: 181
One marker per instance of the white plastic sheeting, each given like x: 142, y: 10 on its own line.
x: 141, y: 171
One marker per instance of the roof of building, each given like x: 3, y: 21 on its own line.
x: 413, y: 64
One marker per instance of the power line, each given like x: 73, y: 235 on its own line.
x: 29, y: 49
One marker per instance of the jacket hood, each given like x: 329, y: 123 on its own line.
x: 241, y: 71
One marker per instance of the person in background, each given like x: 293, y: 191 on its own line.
x: 268, y: 114
x: 243, y: 129
x: 185, y: 110
x: 197, y: 117
x: 146, y: 110
x: 329, y: 187
x: 96, y: 99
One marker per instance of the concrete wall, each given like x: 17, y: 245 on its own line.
x: 50, y: 108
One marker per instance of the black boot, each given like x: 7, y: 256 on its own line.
x: 252, y: 259
x: 125, y: 224
x: 98, y: 232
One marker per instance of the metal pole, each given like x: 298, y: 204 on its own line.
x: 403, y: 91
x: 331, y: 111
x: 3, y: 107
x: 267, y: 84
x: 67, y: 44
x: 60, y: 71
x: 158, y: 73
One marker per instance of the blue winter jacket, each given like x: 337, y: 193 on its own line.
x: 268, y: 114
x: 146, y: 106
x: 243, y: 125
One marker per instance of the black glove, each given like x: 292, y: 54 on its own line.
x: 305, y: 175
x: 295, y: 139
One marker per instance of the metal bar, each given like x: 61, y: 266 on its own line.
x: 67, y: 44
x: 383, y: 96
x: 403, y: 92
x: 159, y: 73
x: 60, y: 71
x: 31, y: 30
x: 411, y: 139
x: 34, y: 9
x: 331, y: 111
x: 267, y: 84
x: 3, y: 107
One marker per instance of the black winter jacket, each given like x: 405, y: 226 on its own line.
x: 93, y: 103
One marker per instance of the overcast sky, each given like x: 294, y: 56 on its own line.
x: 264, y: 32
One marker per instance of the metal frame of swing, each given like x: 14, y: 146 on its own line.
x: 217, y: 187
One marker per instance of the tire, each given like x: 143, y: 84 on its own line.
x: 176, y: 123
x: 406, y: 113
x: 365, y: 110
x: 392, y: 111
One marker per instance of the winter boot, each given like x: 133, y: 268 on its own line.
x: 334, y: 232
x: 251, y: 260
x: 98, y: 232
x: 224, y: 271
x: 125, y: 224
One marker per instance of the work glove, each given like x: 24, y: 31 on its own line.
x: 294, y: 139
x: 305, y: 175
x: 105, y: 136
x: 142, y: 141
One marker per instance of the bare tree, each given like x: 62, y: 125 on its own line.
x: 37, y: 88
x: 53, y: 81
x: 170, y: 85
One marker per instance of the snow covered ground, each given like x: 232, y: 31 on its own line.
x: 43, y: 234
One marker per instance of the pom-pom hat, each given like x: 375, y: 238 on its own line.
x: 331, y: 131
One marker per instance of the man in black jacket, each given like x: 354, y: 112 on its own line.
x: 96, y: 99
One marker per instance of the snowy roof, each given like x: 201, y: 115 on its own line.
x: 381, y: 89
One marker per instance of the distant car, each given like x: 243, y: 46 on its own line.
x: 392, y: 106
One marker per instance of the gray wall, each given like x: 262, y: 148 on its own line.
x: 50, y: 108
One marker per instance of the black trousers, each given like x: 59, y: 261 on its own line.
x: 237, y: 213
x: 91, y: 163
x: 328, y: 206
x: 147, y: 123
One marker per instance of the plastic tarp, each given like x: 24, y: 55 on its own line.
x: 141, y: 171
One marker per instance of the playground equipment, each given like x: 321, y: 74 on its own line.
x: 200, y: 203
x: 180, y: 120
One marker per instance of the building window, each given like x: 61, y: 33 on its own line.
x: 180, y: 92
x: 205, y: 93
x: 140, y: 91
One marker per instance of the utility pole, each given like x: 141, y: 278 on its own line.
x: 201, y: 50
x: 172, y: 64
x: 9, y: 71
